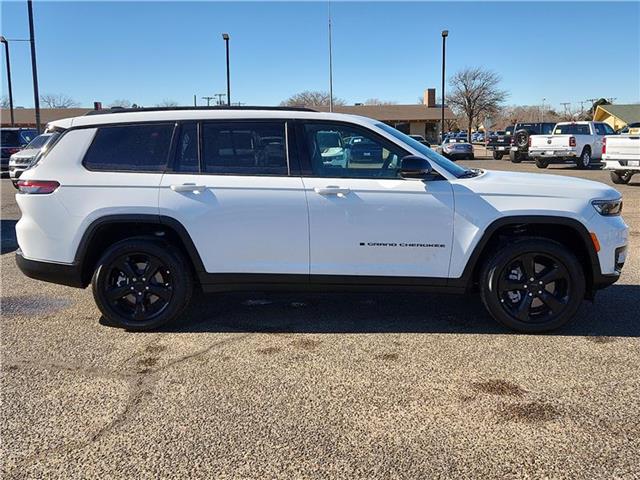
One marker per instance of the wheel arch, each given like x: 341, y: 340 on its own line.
x: 567, y: 231
x: 109, y: 229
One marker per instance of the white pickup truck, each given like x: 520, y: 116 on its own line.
x: 621, y: 154
x: 576, y: 142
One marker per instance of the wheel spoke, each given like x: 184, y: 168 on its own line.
x: 507, y: 285
x: 125, y: 267
x: 151, y: 268
x: 116, y: 293
x: 551, y: 301
x: 551, y: 274
x: 140, y: 310
x: 522, y: 312
x: 159, y: 291
x: 529, y: 265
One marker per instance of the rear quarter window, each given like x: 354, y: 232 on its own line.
x: 572, y: 129
x: 133, y: 148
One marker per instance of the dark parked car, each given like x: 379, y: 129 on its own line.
x: 500, y: 142
x: 520, y: 139
x: 12, y: 141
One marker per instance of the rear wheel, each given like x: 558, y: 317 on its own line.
x: 515, y: 157
x: 585, y: 158
x: 497, y: 156
x: 541, y: 163
x: 620, y: 178
x: 142, y: 284
x: 532, y: 285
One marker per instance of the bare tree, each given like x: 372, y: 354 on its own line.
x: 474, y: 94
x: 4, y: 102
x: 311, y: 99
x: 57, y: 100
x: 377, y: 101
x: 120, y: 103
x: 167, y: 103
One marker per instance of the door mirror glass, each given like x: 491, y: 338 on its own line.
x: 413, y: 166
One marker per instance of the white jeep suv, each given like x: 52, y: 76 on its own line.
x: 148, y: 205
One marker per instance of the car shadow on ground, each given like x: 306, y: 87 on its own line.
x: 8, y: 236
x: 613, y: 314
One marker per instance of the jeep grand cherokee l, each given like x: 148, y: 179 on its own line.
x: 148, y: 205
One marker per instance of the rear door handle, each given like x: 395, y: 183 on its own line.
x: 332, y: 190
x: 188, y: 187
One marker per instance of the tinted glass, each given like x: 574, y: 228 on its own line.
x: 610, y: 131
x: 346, y: 151
x: 547, y: 128
x: 599, y: 128
x: 572, y: 129
x: 244, y: 148
x: 39, y: 142
x: 10, y: 138
x: 27, y: 135
x: 187, y: 149
x: 142, y: 148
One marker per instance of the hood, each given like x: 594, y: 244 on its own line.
x: 539, y: 185
x: 26, y: 153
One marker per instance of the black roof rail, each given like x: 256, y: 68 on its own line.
x: 216, y: 107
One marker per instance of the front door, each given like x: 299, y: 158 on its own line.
x: 230, y: 188
x: 364, y: 219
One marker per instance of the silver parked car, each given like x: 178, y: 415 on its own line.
x: 457, y: 148
x: 20, y: 161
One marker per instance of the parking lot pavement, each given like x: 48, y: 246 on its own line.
x: 318, y: 386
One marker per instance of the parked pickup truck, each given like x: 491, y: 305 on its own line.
x: 500, y: 143
x: 621, y: 155
x: 576, y: 142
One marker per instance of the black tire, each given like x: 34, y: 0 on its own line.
x: 521, y: 138
x: 515, y: 157
x: 585, y: 159
x: 526, y: 305
x: 15, y: 184
x: 133, y: 299
x: 497, y: 156
x: 471, y: 157
x: 620, y: 179
x: 541, y: 163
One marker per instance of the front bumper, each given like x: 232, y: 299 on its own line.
x: 60, y: 273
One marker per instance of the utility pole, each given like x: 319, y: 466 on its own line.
x: 542, y: 110
x: 566, y: 108
x: 195, y: 104
x: 34, y: 67
x: 220, y: 97
x: 208, y: 99
x: 6, y: 51
x: 330, y: 59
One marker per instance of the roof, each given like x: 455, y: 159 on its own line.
x: 626, y: 113
x: 399, y: 113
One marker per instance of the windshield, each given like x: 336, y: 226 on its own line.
x: 431, y: 155
x: 39, y: 142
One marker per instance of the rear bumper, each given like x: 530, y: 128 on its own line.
x: 60, y: 273
x: 614, y: 164
x: 499, y: 148
x: 552, y: 153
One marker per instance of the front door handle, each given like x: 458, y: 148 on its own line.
x: 332, y: 190
x: 188, y: 187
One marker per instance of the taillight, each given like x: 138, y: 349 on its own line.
x: 12, y: 150
x: 37, y: 187
x: 511, y: 141
x: 604, y: 145
x: 572, y: 141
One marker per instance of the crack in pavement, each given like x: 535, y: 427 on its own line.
x: 140, y: 383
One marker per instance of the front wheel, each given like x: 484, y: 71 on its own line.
x: 532, y: 285
x: 515, y: 157
x: 142, y: 284
x: 621, y: 178
x: 497, y: 156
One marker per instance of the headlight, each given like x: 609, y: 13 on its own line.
x: 608, y: 207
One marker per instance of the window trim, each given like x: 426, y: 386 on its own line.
x: 172, y: 124
x: 306, y: 169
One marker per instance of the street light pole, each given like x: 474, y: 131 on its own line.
x: 225, y: 37
x: 6, y: 51
x: 330, y: 59
x: 34, y: 68
x: 445, y: 34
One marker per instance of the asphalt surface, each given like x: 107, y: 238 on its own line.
x: 319, y: 386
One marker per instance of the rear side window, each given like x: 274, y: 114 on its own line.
x: 599, y: 129
x: 244, y: 148
x: 10, y: 138
x: 132, y: 148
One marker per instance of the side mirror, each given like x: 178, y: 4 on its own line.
x: 413, y: 166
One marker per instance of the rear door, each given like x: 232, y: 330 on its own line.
x: 230, y: 188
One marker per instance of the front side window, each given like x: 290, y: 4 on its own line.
x: 337, y: 150
x: 132, y: 148
x: 244, y: 148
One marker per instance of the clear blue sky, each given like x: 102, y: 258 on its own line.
x: 146, y: 52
